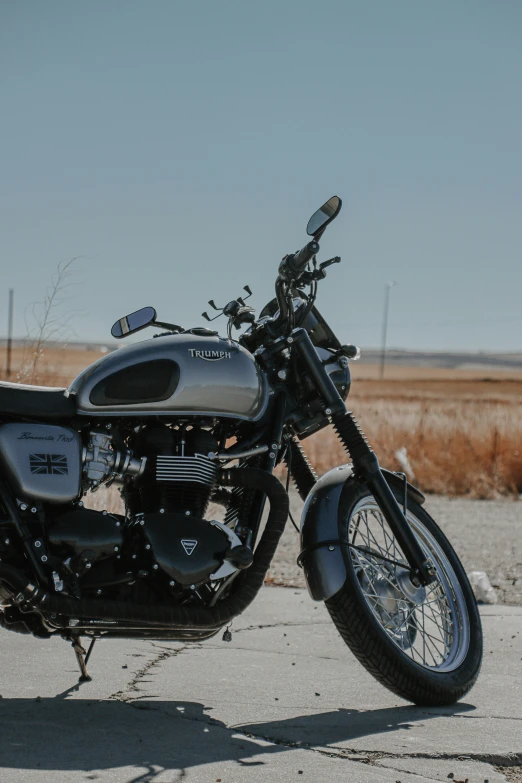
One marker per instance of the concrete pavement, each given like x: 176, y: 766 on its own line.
x: 285, y: 700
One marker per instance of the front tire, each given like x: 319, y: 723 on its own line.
x: 423, y: 644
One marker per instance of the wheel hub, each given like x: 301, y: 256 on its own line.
x: 415, y: 594
x: 393, y: 607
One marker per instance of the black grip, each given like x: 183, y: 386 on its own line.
x: 300, y: 260
x: 294, y: 265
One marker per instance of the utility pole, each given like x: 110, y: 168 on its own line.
x: 9, y: 333
x: 389, y: 285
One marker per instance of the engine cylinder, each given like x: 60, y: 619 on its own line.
x: 179, y: 476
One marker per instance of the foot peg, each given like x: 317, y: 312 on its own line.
x: 240, y: 556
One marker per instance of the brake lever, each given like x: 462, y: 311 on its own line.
x: 334, y: 260
x: 319, y: 273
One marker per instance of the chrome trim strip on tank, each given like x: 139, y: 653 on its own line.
x: 125, y: 411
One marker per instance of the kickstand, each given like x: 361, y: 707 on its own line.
x: 82, y: 657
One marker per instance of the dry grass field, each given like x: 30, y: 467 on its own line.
x: 461, y: 429
x: 56, y: 367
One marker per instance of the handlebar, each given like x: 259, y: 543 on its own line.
x: 293, y: 265
x: 245, y: 315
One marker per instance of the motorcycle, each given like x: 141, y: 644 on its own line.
x: 191, y: 417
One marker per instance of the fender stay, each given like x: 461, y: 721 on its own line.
x: 322, y: 560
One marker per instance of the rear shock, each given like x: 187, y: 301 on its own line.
x: 302, y: 473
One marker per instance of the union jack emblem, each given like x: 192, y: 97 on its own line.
x: 49, y: 464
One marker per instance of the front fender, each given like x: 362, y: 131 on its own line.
x: 324, y: 563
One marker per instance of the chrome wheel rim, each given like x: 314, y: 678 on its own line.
x: 429, y: 625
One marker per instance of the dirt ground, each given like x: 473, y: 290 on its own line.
x: 396, y: 372
x: 486, y: 534
x: 435, y: 384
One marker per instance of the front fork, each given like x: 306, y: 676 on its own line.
x: 365, y: 462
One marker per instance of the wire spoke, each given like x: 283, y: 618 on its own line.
x: 430, y: 645
x: 439, y: 627
x: 429, y: 631
x: 423, y: 637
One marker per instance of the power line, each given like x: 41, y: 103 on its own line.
x: 9, y: 332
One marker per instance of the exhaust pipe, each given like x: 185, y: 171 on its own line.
x: 248, y: 584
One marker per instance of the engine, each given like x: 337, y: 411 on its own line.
x: 162, y: 548
x: 178, y: 476
x: 164, y: 545
x: 168, y: 500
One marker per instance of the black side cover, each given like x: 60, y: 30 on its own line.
x: 84, y: 529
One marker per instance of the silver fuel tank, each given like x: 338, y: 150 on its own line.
x: 180, y: 374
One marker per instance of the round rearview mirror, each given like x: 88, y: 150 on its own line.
x: 133, y: 322
x: 323, y: 216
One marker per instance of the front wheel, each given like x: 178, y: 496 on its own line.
x: 425, y: 643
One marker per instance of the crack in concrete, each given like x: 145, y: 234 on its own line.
x: 473, y: 717
x: 274, y: 652
x: 130, y: 697
x: 371, y: 757
x: 407, y: 772
x: 281, y: 625
x: 127, y: 696
x: 506, y: 759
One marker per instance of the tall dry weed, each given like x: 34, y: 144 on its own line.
x: 48, y: 320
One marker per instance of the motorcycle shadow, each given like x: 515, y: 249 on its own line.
x: 148, y: 737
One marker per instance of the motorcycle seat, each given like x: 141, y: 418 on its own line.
x: 35, y: 402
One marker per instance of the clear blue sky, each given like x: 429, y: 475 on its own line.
x: 181, y: 145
